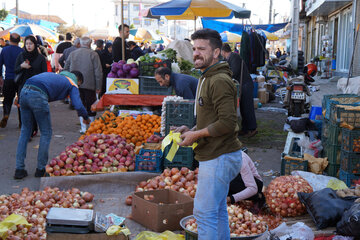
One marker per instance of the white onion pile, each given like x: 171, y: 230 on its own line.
x: 242, y: 222
x: 34, y: 206
x: 281, y: 195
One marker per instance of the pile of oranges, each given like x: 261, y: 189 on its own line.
x: 135, y: 130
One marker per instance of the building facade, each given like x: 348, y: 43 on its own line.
x: 328, y: 33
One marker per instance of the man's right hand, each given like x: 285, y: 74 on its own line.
x: 86, y: 121
x: 182, y: 129
x: 1, y: 81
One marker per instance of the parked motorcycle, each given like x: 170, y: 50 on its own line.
x: 297, y: 98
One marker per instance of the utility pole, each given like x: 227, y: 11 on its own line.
x: 243, y: 5
x: 17, y: 11
x: 294, y: 34
x: 48, y: 11
x: 270, y: 11
x: 275, y: 14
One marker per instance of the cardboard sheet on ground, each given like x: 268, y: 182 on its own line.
x: 110, y: 191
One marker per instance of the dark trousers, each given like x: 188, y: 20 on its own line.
x: 238, y: 185
x: 9, y: 91
x: 248, y: 119
x: 88, y: 97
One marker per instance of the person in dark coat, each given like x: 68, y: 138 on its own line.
x: 117, y: 45
x: 29, y: 63
x: 106, y: 60
x: 278, y: 53
x: 136, y: 51
x: 248, y: 119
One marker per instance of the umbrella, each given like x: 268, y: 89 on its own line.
x: 102, y: 33
x: 191, y: 9
x: 144, y: 34
x: 30, y: 29
x: 230, y: 37
x: 268, y: 35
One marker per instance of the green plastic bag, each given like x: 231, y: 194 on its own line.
x: 167, y: 235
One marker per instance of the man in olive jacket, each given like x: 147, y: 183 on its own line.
x: 218, y: 150
x: 86, y: 61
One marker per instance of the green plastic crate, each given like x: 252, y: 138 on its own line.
x: 287, y: 166
x: 350, y: 162
x: 179, y: 113
x: 350, y: 140
x: 341, y: 115
x: 348, y: 178
x: 329, y: 100
x: 184, y: 157
x: 334, y: 135
x: 333, y: 153
x: 325, y: 130
x: 333, y: 170
x: 149, y: 86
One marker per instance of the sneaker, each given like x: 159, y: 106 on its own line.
x: 40, y: 173
x: 20, y: 173
x: 251, y: 133
x: 3, y: 122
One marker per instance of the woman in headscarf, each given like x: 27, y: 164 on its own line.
x: 29, y: 63
x: 106, y: 61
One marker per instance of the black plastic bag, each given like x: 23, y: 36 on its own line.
x: 325, y: 207
x: 349, y: 224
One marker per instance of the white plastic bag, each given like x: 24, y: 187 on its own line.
x: 298, y: 231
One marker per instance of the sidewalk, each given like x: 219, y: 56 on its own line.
x: 327, y: 86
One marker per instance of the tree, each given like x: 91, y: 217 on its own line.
x: 3, y: 14
x: 132, y: 26
x: 78, y: 31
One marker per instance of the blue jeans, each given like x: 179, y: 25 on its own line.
x: 34, y: 104
x: 210, y: 209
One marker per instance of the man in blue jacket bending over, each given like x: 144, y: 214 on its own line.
x: 35, y: 96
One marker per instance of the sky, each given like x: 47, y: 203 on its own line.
x: 96, y: 14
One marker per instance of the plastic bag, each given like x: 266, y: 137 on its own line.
x: 298, y: 230
x: 325, y: 207
x: 167, y: 235
x: 318, y: 182
x: 11, y: 221
x: 316, y: 165
x: 349, y: 224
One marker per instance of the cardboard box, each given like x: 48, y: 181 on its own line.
x: 268, y: 87
x: 256, y: 103
x: 122, y: 86
x: 89, y: 236
x: 164, y: 211
x: 260, y: 79
x: 262, y: 95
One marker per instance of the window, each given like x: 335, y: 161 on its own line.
x: 136, y: 21
x: 136, y: 7
x: 147, y: 22
x: 125, y: 7
x: 126, y: 21
x: 116, y: 10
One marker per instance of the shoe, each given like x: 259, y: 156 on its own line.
x: 242, y: 133
x: 3, y: 122
x: 34, y: 133
x: 251, y: 133
x: 41, y: 173
x: 20, y: 173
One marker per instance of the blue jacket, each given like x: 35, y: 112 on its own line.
x: 58, y: 87
x: 184, y: 85
x: 8, y: 58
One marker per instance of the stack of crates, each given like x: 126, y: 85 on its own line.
x: 332, y: 131
x: 179, y: 113
x: 350, y: 156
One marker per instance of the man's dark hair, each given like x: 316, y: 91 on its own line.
x: 99, y: 43
x: 15, y: 38
x: 131, y: 43
x: 208, y: 34
x: 79, y: 76
x: 162, y: 71
x: 125, y: 26
x: 68, y: 36
x: 61, y: 37
x: 226, y: 47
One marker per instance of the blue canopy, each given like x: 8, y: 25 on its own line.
x: 239, y: 28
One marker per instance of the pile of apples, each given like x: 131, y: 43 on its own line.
x: 95, y: 153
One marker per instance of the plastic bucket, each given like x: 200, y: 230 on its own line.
x: 315, y: 113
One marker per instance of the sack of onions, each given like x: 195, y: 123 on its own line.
x: 281, y: 195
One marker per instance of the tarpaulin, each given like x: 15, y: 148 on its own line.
x: 130, y: 100
x: 222, y: 26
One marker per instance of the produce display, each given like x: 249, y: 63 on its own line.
x: 355, y: 144
x: 148, y: 65
x: 134, y: 130
x: 349, y: 192
x: 281, y: 195
x: 154, y: 139
x: 122, y: 69
x: 94, y: 153
x: 242, y: 223
x: 169, y: 54
x: 148, y: 160
x: 34, y: 206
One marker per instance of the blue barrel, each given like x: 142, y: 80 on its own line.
x: 256, y: 86
x: 315, y: 113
